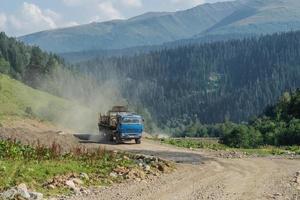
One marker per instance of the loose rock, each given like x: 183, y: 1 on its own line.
x: 84, y: 176
x: 36, y: 196
x: 71, y: 185
x: 21, y: 193
x: 113, y: 174
x: 77, y: 181
x: 147, y: 168
x: 9, y: 194
x: 51, y: 187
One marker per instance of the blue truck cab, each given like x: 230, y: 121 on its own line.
x: 129, y: 127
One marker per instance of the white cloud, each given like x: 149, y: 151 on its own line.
x: 31, y: 18
x: 3, y: 20
x: 108, y: 11
x: 31, y: 14
x: 101, y: 10
x: 52, y: 14
x: 73, y: 23
x: 188, y: 2
x: 132, y: 3
x: 73, y: 2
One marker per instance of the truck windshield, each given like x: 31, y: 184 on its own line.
x: 131, y: 120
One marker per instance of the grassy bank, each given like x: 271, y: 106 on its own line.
x: 37, y: 166
x: 19, y: 100
x: 213, y: 144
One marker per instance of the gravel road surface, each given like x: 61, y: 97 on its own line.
x: 201, y: 175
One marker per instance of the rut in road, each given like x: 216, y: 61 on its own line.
x: 201, y: 176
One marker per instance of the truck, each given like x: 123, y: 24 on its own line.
x: 119, y: 125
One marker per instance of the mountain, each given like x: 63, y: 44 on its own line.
x: 211, y: 82
x: 223, y: 18
x: 259, y: 16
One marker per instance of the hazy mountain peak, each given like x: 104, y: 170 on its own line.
x: 149, y: 15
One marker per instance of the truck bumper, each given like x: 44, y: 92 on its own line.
x: 131, y: 137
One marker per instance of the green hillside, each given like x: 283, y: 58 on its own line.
x: 17, y: 99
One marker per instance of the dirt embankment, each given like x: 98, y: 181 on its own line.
x: 33, y: 132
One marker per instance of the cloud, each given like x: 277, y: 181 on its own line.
x: 3, y: 20
x: 52, y: 14
x: 72, y: 23
x: 73, y: 2
x: 31, y: 18
x: 107, y: 11
x: 101, y: 10
x: 33, y: 15
x: 132, y: 3
x: 188, y: 2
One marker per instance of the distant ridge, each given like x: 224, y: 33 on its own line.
x: 155, y: 28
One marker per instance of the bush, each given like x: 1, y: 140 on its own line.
x: 29, y: 111
x: 242, y: 136
x: 291, y: 134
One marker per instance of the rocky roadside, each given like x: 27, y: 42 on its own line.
x: 240, y: 154
x: 236, y: 154
x: 146, y: 168
x: 297, y: 180
x: 21, y: 192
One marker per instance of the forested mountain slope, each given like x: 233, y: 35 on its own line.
x: 231, y: 80
x: 223, y: 18
x: 28, y: 64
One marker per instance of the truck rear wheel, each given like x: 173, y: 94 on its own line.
x: 118, y: 140
x: 138, y: 141
x: 111, y: 138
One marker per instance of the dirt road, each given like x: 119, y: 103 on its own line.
x: 200, y: 175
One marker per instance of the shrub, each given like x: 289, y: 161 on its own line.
x: 291, y: 134
x: 242, y: 136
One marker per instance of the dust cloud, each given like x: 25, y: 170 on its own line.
x: 88, y: 97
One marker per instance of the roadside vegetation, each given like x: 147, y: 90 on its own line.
x: 37, y: 166
x: 213, y: 144
x: 276, y: 131
x: 279, y: 125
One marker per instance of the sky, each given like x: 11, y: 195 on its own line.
x: 21, y: 17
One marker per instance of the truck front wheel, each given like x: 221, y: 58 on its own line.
x: 138, y: 141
